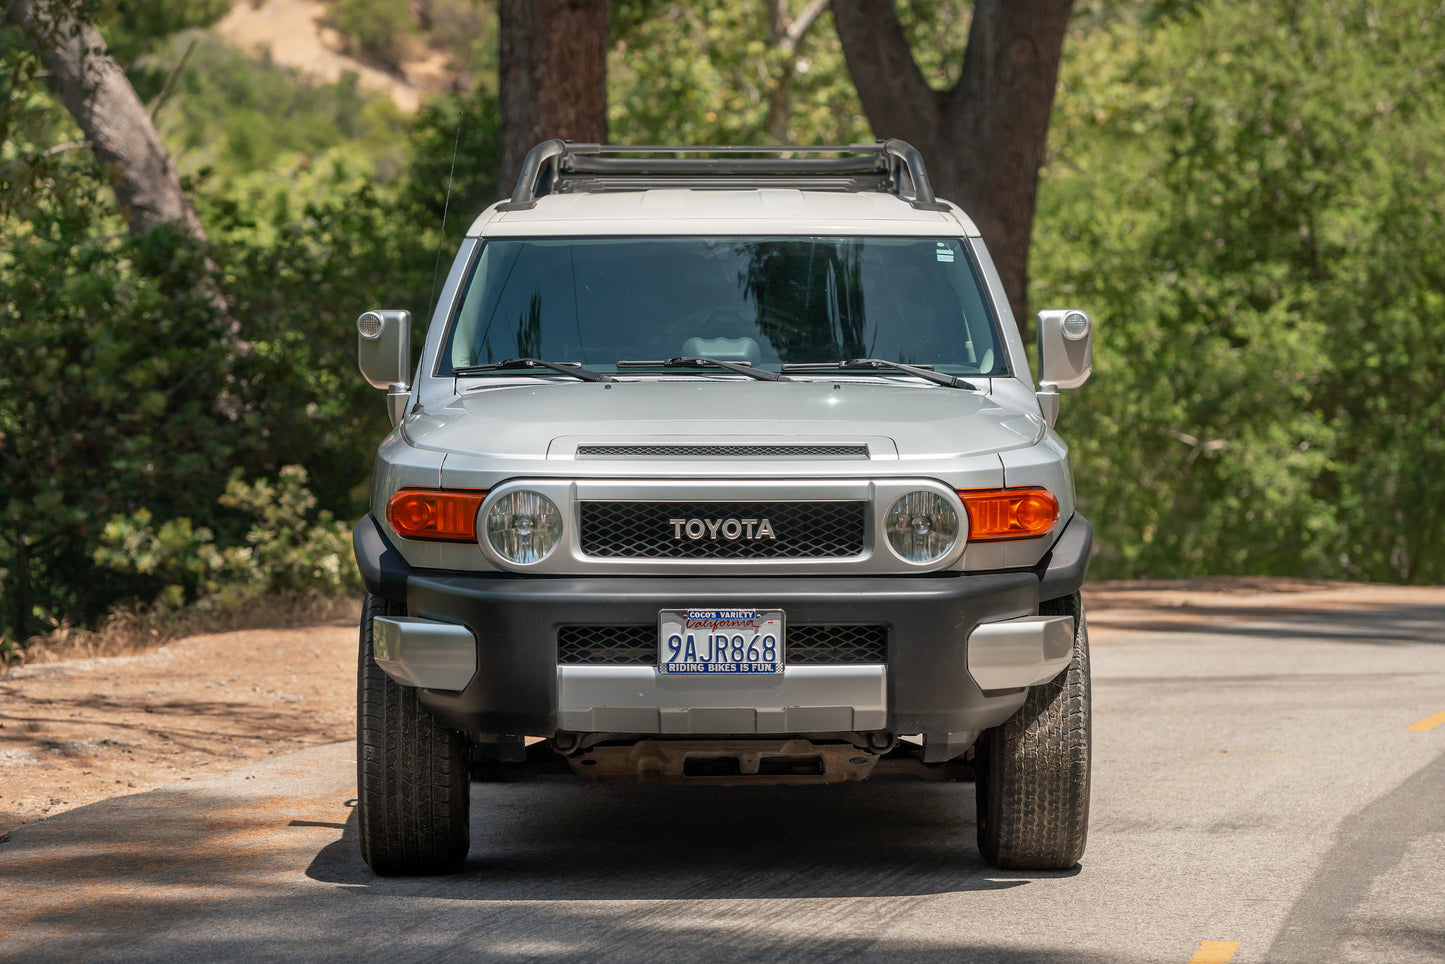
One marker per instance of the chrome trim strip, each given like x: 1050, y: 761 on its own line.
x: 804, y: 699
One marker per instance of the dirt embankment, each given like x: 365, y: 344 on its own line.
x: 295, y: 33
x: 82, y: 730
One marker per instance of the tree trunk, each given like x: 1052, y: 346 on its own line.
x: 98, y: 95
x: 983, y: 140
x: 553, y: 76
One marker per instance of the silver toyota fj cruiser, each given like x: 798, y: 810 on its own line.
x: 723, y: 466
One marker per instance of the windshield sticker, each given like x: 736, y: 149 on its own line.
x: 944, y: 252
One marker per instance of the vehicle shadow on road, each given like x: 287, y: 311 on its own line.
x: 560, y: 840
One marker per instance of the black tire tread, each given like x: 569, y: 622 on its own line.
x: 1033, y: 770
x: 413, y: 787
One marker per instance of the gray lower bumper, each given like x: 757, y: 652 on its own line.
x: 802, y: 699
x: 1002, y: 655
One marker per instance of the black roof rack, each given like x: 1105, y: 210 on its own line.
x: 561, y: 167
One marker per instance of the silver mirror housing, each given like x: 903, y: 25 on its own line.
x: 383, y: 352
x: 383, y: 347
x: 1066, y: 354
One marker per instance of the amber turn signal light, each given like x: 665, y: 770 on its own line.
x: 447, y: 515
x: 995, y: 514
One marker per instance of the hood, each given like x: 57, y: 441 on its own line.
x: 548, y: 419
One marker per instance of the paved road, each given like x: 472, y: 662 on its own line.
x: 1257, y: 783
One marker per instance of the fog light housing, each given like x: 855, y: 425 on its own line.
x: 523, y: 527
x: 922, y: 527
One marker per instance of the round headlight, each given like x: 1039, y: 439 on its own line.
x: 921, y: 526
x: 523, y: 527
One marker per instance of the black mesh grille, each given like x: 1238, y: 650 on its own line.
x: 645, y: 530
x: 624, y: 645
x: 637, y: 645
x: 723, y: 451
x: 712, y: 766
x: 835, y: 644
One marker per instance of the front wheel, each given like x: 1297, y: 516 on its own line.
x: 1033, y: 770
x: 413, y: 789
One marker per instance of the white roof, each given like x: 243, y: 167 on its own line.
x: 723, y: 211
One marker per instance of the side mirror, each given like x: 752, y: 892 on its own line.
x: 383, y: 352
x: 1066, y: 356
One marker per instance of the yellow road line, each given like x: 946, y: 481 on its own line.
x: 1427, y: 724
x: 1214, y: 952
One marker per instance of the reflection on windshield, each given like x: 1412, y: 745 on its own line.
x: 763, y: 301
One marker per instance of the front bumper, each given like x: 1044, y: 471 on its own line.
x: 937, y: 653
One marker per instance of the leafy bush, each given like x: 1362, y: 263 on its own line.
x: 289, y: 548
x: 118, y: 393
x: 380, y: 29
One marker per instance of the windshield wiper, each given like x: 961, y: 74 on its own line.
x: 564, y: 368
x: 693, y: 361
x: 938, y: 378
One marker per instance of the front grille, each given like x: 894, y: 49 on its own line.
x: 802, y: 645
x: 723, y: 451
x: 649, y: 530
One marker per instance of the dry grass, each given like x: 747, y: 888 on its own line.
x: 131, y: 630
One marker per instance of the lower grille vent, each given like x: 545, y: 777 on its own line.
x: 604, y: 645
x: 821, y: 645
x: 712, y: 766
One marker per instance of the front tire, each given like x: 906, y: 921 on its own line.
x: 1033, y: 770
x: 413, y: 789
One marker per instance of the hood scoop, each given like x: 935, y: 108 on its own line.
x: 725, y: 451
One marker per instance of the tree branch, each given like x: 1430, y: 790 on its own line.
x: 800, y: 26
x: 166, y: 90
x: 894, y: 93
x: 62, y: 148
x: 98, y: 95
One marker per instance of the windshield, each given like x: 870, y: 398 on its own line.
x: 763, y: 301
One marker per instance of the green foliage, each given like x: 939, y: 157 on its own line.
x: 382, y: 30
x: 288, y: 550
x: 453, y: 175
x: 1250, y: 198
x: 229, y: 114
x: 937, y: 32
x: 712, y: 72
x: 707, y: 73
x: 114, y: 395
x: 466, y: 30
x: 133, y: 27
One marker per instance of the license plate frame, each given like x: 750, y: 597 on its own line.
x: 714, y: 633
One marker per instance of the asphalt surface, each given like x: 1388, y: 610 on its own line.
x: 1259, y: 795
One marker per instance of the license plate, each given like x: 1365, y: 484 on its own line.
x: 720, y: 641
